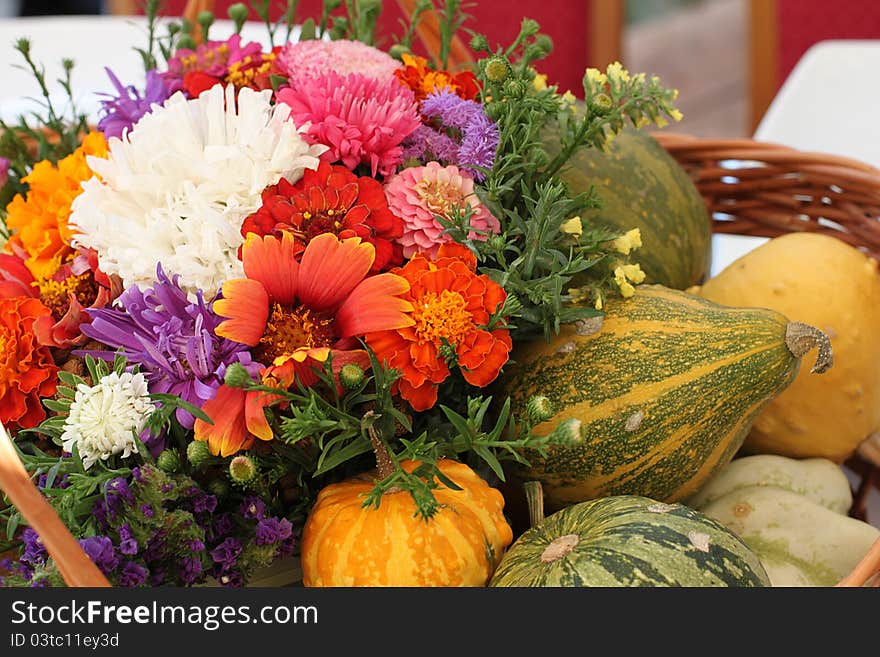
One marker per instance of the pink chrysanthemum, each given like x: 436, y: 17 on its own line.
x: 418, y: 194
x: 360, y: 119
x: 309, y: 59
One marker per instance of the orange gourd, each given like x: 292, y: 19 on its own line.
x: 347, y: 544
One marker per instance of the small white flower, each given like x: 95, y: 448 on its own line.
x: 104, y: 418
x: 177, y: 188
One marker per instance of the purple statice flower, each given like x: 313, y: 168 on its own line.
x: 204, y: 503
x: 191, y: 570
x: 287, y: 546
x: 221, y: 526
x: 477, y: 135
x: 132, y: 574
x: 127, y: 543
x: 147, y: 510
x: 4, y: 171
x: 229, y: 578
x: 273, y: 530
x: 100, y: 551
x: 34, y: 552
x: 227, y: 553
x: 252, y: 507
x: 60, y: 482
x: 120, y: 113
x: 171, y: 338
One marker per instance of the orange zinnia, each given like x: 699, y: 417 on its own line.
x: 452, y: 306
x: 424, y: 81
x: 39, y: 222
x: 296, y: 315
x: 27, y: 370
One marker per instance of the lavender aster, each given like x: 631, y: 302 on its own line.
x: 120, y: 113
x: 172, y: 339
x: 479, y: 136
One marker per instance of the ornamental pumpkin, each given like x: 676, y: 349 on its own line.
x: 822, y: 281
x: 657, y: 396
x: 347, y: 544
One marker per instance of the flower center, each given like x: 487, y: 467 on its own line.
x: 439, y: 197
x: 442, y: 316
x: 55, y: 295
x: 289, y: 329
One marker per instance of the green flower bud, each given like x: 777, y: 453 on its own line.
x: 218, y: 487
x: 497, y: 243
x: 242, y: 469
x: 601, y: 104
x: 173, y: 28
x: 398, y: 50
x: 516, y: 88
x: 332, y: 5
x: 237, y: 376
x: 168, y: 461
x: 497, y: 69
x: 186, y: 42
x: 539, y: 409
x: 479, y: 43
x: 544, y: 44
x: 238, y: 13
x: 198, y: 454
x: 568, y: 432
x: 205, y: 19
x: 351, y: 375
x: 529, y: 27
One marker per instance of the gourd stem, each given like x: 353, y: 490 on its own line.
x: 384, y: 463
x: 801, y: 338
x: 535, y: 500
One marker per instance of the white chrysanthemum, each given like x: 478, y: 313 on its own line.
x: 177, y: 188
x: 104, y: 418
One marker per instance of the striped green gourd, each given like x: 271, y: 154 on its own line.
x: 629, y: 540
x: 658, y: 397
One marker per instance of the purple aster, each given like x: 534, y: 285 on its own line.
x: 100, y: 550
x: 227, y: 553
x: 477, y: 134
x: 172, y: 339
x: 132, y: 574
x: 273, y: 530
x: 120, y: 113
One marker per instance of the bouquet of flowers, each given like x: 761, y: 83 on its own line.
x: 268, y: 270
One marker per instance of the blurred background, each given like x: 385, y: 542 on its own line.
x: 728, y: 58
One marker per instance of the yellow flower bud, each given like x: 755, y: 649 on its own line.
x: 616, y: 72
x: 598, y: 305
x: 572, y: 227
x: 634, y: 273
x: 676, y: 115
x: 596, y: 78
x: 540, y: 82
x: 630, y: 240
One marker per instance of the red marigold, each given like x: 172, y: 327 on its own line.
x: 27, y: 371
x: 452, y: 305
x: 424, y: 81
x: 333, y: 200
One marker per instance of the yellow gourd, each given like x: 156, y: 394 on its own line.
x: 824, y: 282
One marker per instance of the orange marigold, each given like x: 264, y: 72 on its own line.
x: 452, y: 306
x: 424, y: 81
x: 39, y: 221
x: 27, y: 370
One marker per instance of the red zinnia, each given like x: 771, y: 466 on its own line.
x: 452, y: 306
x: 333, y: 200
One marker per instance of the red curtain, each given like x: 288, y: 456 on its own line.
x: 802, y: 23
x: 565, y: 21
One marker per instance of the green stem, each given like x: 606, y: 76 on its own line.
x: 535, y: 500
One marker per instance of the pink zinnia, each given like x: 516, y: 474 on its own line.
x: 418, y: 194
x: 360, y: 119
x: 213, y: 58
x: 313, y: 58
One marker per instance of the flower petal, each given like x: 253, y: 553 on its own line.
x: 246, y: 304
x: 375, y: 305
x: 229, y: 433
x: 255, y: 418
x: 273, y: 263
x: 331, y: 268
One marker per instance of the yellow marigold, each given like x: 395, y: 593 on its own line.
x: 38, y: 222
